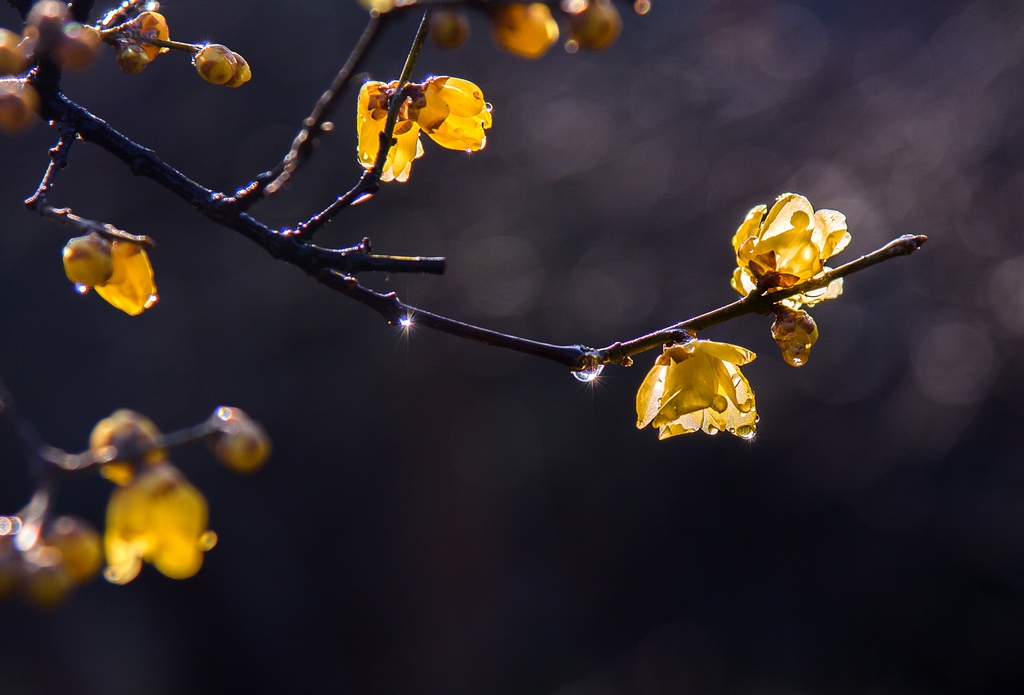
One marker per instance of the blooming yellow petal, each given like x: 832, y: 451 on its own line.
x: 159, y: 518
x: 749, y: 227
x: 131, y: 287
x: 455, y: 114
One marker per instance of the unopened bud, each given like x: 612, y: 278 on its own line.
x: 795, y: 332
x: 241, y: 443
x: 87, y: 260
x: 449, y: 28
x: 597, y: 27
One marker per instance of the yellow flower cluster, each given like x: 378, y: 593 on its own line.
x: 451, y: 111
x: 157, y: 516
x: 699, y: 385
x: 119, y: 270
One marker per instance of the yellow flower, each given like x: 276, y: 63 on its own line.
x: 451, y: 111
x: 695, y: 386
x: 526, y: 29
x: 130, y: 286
x: 158, y: 518
x: 788, y: 246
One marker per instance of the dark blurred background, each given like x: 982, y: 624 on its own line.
x: 443, y: 517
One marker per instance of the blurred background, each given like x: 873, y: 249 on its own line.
x: 443, y: 517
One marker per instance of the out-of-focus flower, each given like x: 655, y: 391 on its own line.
x: 451, y: 111
x: 19, y: 104
x: 127, y: 433
x: 698, y: 385
x: 379, y: 6
x: 526, y: 29
x: 787, y: 247
x: 119, y: 271
x: 795, y: 332
x: 449, y: 28
x: 241, y: 443
x: 13, y: 57
x: 160, y: 518
x: 597, y: 27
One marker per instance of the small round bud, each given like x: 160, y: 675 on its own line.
x: 131, y: 57
x: 795, y: 332
x: 241, y: 443
x: 47, y: 586
x: 597, y: 27
x: 79, y: 544
x: 216, y: 63
x: 12, y: 57
x: 449, y: 28
x: 18, y: 106
x: 128, y: 432
x: 78, y: 47
x: 87, y: 260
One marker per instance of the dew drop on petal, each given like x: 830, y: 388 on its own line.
x: 745, y: 431
x: 81, y: 289
x: 588, y: 375
x: 150, y: 301
x: 208, y: 540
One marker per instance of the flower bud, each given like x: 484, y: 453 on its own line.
x: 78, y: 47
x: 87, y: 260
x: 449, y: 28
x: 79, y: 544
x: 216, y: 64
x: 12, y: 58
x: 131, y: 57
x: 127, y: 431
x: 241, y: 443
x: 597, y: 27
x: 526, y: 29
x: 795, y: 332
x: 18, y: 106
x: 152, y: 25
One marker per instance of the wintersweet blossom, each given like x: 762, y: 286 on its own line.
x: 451, y: 111
x: 787, y: 247
x: 698, y: 385
x: 159, y: 517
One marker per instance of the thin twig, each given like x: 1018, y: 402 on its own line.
x: 313, y: 126
x: 369, y: 182
x: 754, y: 303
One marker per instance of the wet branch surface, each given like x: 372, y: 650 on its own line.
x: 336, y: 268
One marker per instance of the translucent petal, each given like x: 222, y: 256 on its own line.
x: 749, y: 227
x: 131, y: 287
x: 789, y: 211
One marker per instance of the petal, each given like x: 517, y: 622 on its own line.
x: 648, y: 398
x: 789, y: 211
x: 458, y: 133
x: 723, y: 351
x: 464, y: 98
x: 833, y: 232
x: 742, y: 281
x: 131, y: 288
x: 749, y: 227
